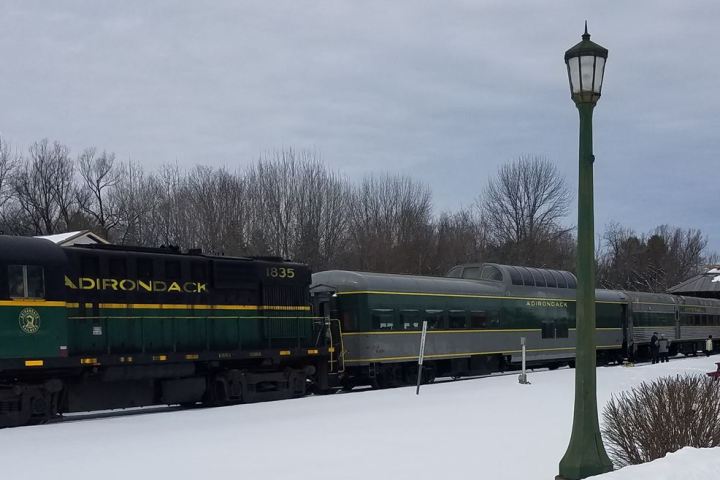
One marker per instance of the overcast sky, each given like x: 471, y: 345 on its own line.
x: 445, y: 91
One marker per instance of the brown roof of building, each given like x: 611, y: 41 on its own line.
x: 706, y: 284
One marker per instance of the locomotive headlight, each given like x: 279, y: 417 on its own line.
x: 586, y: 66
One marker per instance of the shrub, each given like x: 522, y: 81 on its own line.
x: 662, y: 416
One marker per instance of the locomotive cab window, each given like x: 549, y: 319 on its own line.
x: 26, y: 281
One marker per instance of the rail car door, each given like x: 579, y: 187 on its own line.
x: 332, y: 332
x: 627, y: 342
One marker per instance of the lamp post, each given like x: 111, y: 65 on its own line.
x: 586, y: 454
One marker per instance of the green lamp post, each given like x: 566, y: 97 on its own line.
x: 586, y: 454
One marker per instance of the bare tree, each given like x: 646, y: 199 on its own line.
x: 297, y: 208
x: 44, y: 188
x: 95, y: 197
x: 135, y: 198
x: 523, y: 208
x: 650, y: 262
x: 390, y: 227
x: 460, y: 238
x: 216, y: 203
x: 8, y: 162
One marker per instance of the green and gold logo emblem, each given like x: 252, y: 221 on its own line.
x: 29, y: 320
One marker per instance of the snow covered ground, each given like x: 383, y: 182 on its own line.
x: 480, y: 428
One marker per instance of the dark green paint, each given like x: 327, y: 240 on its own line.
x: 586, y: 454
x: 45, y: 343
x: 501, y: 313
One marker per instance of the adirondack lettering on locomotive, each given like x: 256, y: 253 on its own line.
x: 130, y: 285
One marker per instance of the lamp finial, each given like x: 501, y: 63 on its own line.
x: 586, y: 35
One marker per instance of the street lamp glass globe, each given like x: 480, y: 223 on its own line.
x: 586, y: 67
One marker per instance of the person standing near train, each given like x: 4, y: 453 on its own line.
x: 663, y: 348
x: 709, y: 346
x: 654, y: 347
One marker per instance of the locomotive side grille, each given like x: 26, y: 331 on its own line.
x: 285, y: 307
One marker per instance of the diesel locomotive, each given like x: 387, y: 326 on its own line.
x: 96, y: 327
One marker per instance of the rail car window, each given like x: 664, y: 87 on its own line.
x: 455, y: 272
x: 434, y: 319
x: 548, y: 329
x: 26, y: 281
x: 382, y: 319
x: 550, y: 280
x: 478, y: 319
x: 561, y: 328
x: 515, y: 276
x: 571, y: 283
x: 118, y: 267
x: 538, y: 278
x: 526, y: 276
x: 560, y: 280
x: 348, y: 321
x: 491, y: 273
x: 144, y: 268
x: 471, y: 273
x: 410, y: 319
x: 457, y: 319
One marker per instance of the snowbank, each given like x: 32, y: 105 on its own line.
x: 686, y: 464
x: 477, y: 428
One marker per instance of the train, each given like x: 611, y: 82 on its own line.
x: 479, y: 315
x: 97, y: 327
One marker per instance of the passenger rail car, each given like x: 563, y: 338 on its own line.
x: 479, y: 313
x: 100, y: 327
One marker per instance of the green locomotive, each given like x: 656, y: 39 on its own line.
x: 98, y: 327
